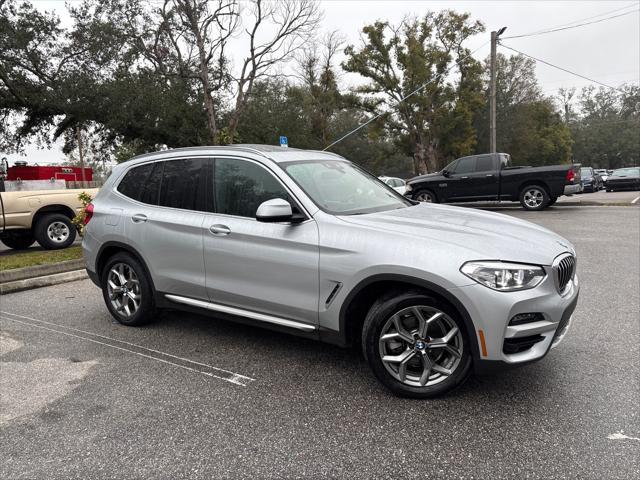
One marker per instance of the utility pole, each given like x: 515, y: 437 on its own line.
x: 81, y: 155
x: 492, y: 95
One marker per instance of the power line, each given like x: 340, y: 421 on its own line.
x: 560, y: 68
x: 573, y: 24
x: 553, y: 30
x: 421, y: 87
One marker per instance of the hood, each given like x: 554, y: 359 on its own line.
x: 485, y: 235
x: 426, y: 176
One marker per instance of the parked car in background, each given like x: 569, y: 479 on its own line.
x: 604, y: 174
x: 306, y: 242
x: 492, y: 177
x: 42, y: 215
x: 624, y: 179
x: 590, y: 180
x: 396, y: 183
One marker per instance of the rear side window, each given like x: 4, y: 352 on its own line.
x: 184, y: 184
x: 241, y: 186
x: 484, y: 164
x: 133, y: 182
x: 151, y: 189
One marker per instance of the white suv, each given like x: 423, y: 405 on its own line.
x: 308, y: 243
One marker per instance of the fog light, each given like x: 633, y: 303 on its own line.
x: 522, y: 318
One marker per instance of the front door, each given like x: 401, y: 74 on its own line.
x: 268, y: 268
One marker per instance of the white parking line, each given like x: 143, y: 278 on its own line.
x: 635, y: 200
x: 230, y: 376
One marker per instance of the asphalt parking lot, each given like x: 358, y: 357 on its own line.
x: 191, y: 396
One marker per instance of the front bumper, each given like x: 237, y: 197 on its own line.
x: 571, y: 189
x: 491, y: 312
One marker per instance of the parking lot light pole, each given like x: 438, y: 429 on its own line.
x: 492, y: 98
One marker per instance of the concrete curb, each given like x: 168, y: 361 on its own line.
x: 44, y: 281
x: 40, y: 270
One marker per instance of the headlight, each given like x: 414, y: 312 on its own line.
x: 504, y: 277
x: 407, y: 188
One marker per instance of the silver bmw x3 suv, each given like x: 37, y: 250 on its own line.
x: 306, y: 242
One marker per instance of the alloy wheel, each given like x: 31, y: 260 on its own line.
x: 420, y: 346
x: 424, y: 197
x: 123, y: 288
x: 533, y: 197
x: 58, y: 232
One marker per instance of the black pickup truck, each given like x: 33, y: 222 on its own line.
x: 492, y: 177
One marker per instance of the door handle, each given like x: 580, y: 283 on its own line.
x: 220, y: 230
x: 464, y: 178
x: 139, y: 218
x: 489, y: 175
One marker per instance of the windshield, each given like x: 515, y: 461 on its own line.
x: 341, y: 188
x: 585, y: 172
x: 626, y: 172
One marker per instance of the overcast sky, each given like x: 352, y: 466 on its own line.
x: 607, y: 51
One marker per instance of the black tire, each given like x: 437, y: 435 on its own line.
x: 54, y: 231
x: 541, y: 194
x: 609, y: 190
x: 146, y: 310
x: 18, y: 241
x: 425, y: 195
x: 380, y: 313
x: 552, y: 200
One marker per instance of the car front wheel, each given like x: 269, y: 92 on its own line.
x: 415, y: 344
x: 425, y: 196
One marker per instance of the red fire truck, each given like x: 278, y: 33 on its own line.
x: 22, y: 171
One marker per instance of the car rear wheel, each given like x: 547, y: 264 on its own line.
x: 534, y: 197
x: 415, y: 344
x: 127, y: 291
x: 18, y: 241
x: 55, y: 231
x: 425, y: 196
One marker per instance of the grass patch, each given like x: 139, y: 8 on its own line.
x: 29, y: 259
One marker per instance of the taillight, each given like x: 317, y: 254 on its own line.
x: 570, y: 175
x: 88, y: 213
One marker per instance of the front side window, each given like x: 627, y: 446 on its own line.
x: 341, y: 188
x: 466, y: 165
x: 184, y: 184
x: 240, y: 186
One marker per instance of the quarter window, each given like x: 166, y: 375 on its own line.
x: 241, y: 186
x: 184, y: 184
x: 134, y: 180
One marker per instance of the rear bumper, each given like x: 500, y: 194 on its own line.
x: 571, y: 189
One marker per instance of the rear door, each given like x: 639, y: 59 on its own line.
x: 166, y: 224
x: 269, y: 268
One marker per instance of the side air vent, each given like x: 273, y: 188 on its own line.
x: 333, y: 294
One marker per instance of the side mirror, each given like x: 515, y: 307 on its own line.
x: 275, y: 210
x: 446, y: 173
